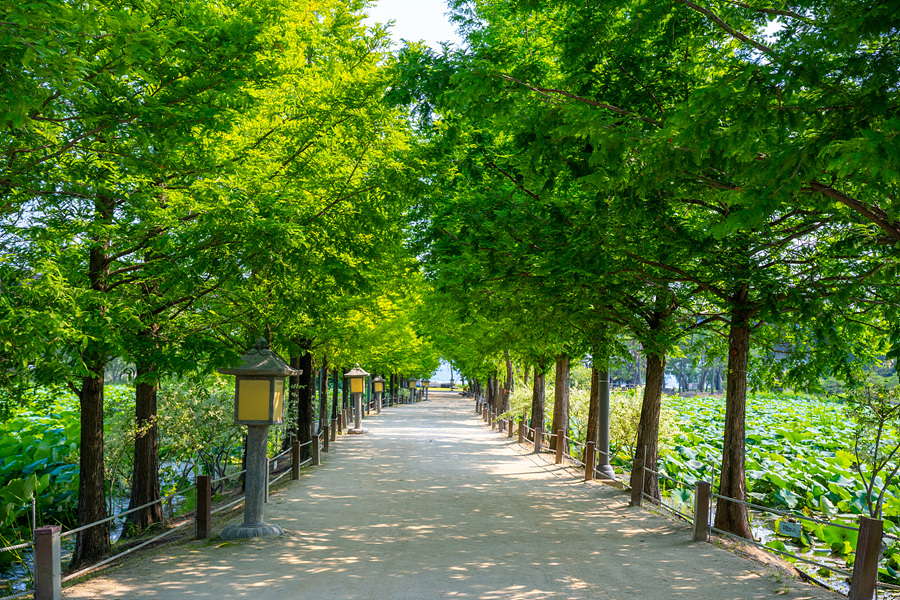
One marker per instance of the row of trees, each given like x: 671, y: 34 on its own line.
x: 177, y: 180
x: 603, y: 173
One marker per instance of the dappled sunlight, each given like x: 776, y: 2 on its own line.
x: 411, y: 512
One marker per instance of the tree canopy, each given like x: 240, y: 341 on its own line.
x: 579, y: 180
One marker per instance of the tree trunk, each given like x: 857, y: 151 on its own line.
x: 507, y: 385
x: 731, y: 516
x: 537, y: 398
x: 593, y: 424
x: 637, y: 368
x: 91, y: 544
x: 489, y: 400
x: 306, y: 392
x: 648, y: 432
x: 560, y: 398
x: 334, y: 394
x: 145, y: 478
x: 323, y: 393
x: 497, y: 393
x: 345, y: 391
x: 527, y: 370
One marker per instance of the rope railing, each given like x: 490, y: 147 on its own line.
x: 888, y: 586
x: 702, y: 505
x: 226, y: 506
x: 669, y: 508
x: 144, y: 544
x: 277, y: 456
x: 784, y: 513
x: 55, y: 537
x: 127, y: 512
x: 17, y: 547
x: 226, y: 477
x: 781, y: 552
x: 18, y: 595
x: 670, y: 478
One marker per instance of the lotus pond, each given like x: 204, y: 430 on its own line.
x: 798, y: 458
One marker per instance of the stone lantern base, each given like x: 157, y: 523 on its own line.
x: 251, y: 530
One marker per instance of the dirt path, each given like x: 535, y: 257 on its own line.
x: 432, y: 504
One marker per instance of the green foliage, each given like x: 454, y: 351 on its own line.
x: 797, y: 454
x: 798, y: 458
x: 624, y: 418
x: 39, y: 453
x: 39, y: 458
x: 874, y: 411
x: 196, y: 423
x: 178, y: 179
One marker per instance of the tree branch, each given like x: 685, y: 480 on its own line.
x: 588, y: 101
x: 731, y: 31
x: 874, y: 214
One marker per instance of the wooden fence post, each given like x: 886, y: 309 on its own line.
x: 509, y: 427
x: 334, y: 429
x: 315, y: 451
x: 538, y: 440
x: 701, y: 511
x: 590, y: 456
x: 203, y: 519
x: 865, y: 567
x: 295, y: 460
x: 522, y: 431
x: 484, y: 413
x: 47, y: 578
x: 493, y: 417
x: 560, y: 442
x: 325, y: 438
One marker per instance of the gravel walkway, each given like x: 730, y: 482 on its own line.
x: 433, y: 504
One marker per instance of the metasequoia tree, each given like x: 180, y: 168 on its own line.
x: 596, y: 105
x: 160, y: 167
x: 97, y: 155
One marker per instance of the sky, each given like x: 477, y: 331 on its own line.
x: 415, y: 20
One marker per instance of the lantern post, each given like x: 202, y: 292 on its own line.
x: 378, y: 386
x: 258, y: 404
x: 426, y: 384
x: 357, y: 379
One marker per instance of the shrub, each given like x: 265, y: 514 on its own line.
x: 625, y: 416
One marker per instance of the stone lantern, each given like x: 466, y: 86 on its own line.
x: 357, y: 379
x: 378, y: 388
x: 258, y: 404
